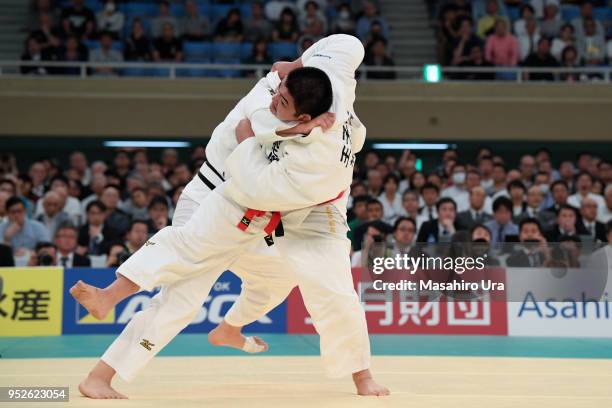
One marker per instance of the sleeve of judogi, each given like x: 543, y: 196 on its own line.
x: 340, y: 53
x: 308, y: 174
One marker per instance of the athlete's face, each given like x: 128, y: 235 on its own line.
x: 283, y: 105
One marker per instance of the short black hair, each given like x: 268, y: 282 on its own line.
x: 558, y: 183
x: 134, y: 222
x: 14, y: 200
x: 311, y: 90
x: 530, y: 220
x: 402, y: 219
x: 567, y: 207
x: 430, y: 186
x: 408, y: 191
x: 391, y: 176
x: 363, y: 198
x: 158, y: 200
x: 502, y: 202
x: 517, y: 184
x: 374, y: 201
x: 96, y: 203
x: 445, y: 200
x: 481, y: 226
x: 44, y: 244
x: 584, y: 173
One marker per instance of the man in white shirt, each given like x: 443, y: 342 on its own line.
x: 53, y: 216
x: 584, y: 182
x: 606, y: 215
x: 458, y: 191
x: 72, y: 205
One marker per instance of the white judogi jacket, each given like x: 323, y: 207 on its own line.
x: 297, y: 172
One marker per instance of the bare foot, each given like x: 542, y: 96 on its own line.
x: 98, y: 388
x: 231, y: 336
x: 91, y: 299
x: 366, y: 385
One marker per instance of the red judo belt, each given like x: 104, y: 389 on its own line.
x: 274, y: 225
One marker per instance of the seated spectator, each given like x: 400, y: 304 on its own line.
x: 442, y: 228
x: 274, y: 8
x: 391, y: 199
x: 591, y: 46
x: 70, y: 205
x: 596, y: 231
x: 33, y: 53
x: 376, y: 56
x: 259, y: 55
x: 312, y: 20
x: 53, y: 216
x: 158, y: 214
x: 430, y: 194
x: 344, y: 22
x: 98, y: 182
x: 359, y: 213
x: 158, y: 24
x: 168, y: 47
x: 137, y: 205
x: 564, y: 40
x: 230, y: 28
x: 462, y: 47
x: 535, y: 198
x: 476, y: 214
x: 501, y: 226
x: 516, y: 192
x: 502, y: 48
x: 96, y: 236
x: 73, y: 51
x: 364, y: 23
x: 304, y: 43
x: 566, y: 225
x: 475, y: 59
x: 110, y: 20
x: 560, y: 194
x: 584, y: 183
x: 410, y: 205
x: 579, y: 23
x: 78, y: 21
x: 114, y: 215
x: 44, y: 254
x: 66, y: 245
x: 375, y: 212
x: 528, y: 42
x: 105, y: 53
x: 257, y: 26
x: 551, y: 22
x: 135, y: 238
x: 375, y: 232
x: 286, y: 30
x: 19, y: 232
x: 195, y: 26
x: 4, y: 196
x: 520, y: 26
x: 137, y: 47
x: 487, y: 24
x: 605, y: 215
x: 461, y: 8
x: 458, y: 190
x: 39, y: 7
x: 534, y: 251
x: 47, y: 34
x: 541, y: 59
x: 404, y: 233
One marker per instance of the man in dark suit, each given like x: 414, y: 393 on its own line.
x: 532, y: 252
x: 560, y: 193
x: 476, y: 214
x: 535, y: 198
x: 66, y: 243
x: 442, y: 228
x: 595, y: 230
x: 96, y: 237
x: 566, y: 225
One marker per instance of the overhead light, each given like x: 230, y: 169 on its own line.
x: 410, y: 146
x: 145, y: 143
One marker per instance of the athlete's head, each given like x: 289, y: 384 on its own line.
x: 302, y: 95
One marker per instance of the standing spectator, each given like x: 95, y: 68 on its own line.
x: 579, y: 23
x: 528, y: 42
x: 487, y: 24
x: 564, y: 40
x: 96, y: 236
x: 66, y: 244
x: 230, y: 28
x: 286, y: 29
x: 20, y: 232
x: 591, y: 45
x: 520, y: 26
x: 462, y: 47
x: 442, y: 228
x: 158, y: 25
x: 476, y: 214
x: 376, y: 56
x: 584, y: 183
x: 541, y: 59
x: 78, y: 21
x: 114, y: 215
x: 158, y: 214
x: 595, y: 230
x: 502, y: 48
x: 195, y: 26
x: 257, y: 26
x: 370, y: 14
x: 137, y: 47
x: 73, y: 51
x: 168, y: 47
x: 111, y: 20
x: 344, y: 22
x: 501, y: 226
x: 551, y: 23
x: 53, y: 216
x: 105, y: 53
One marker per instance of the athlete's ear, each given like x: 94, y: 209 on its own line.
x: 304, y: 117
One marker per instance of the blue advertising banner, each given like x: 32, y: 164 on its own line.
x: 76, y: 320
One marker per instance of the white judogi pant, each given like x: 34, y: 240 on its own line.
x: 187, y: 260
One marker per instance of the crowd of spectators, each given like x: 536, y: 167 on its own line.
x: 162, y: 31
x: 537, y: 36
x: 98, y: 213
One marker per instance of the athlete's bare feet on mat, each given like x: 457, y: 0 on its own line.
x: 231, y: 336
x: 97, y: 385
x: 91, y: 299
x: 366, y: 385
